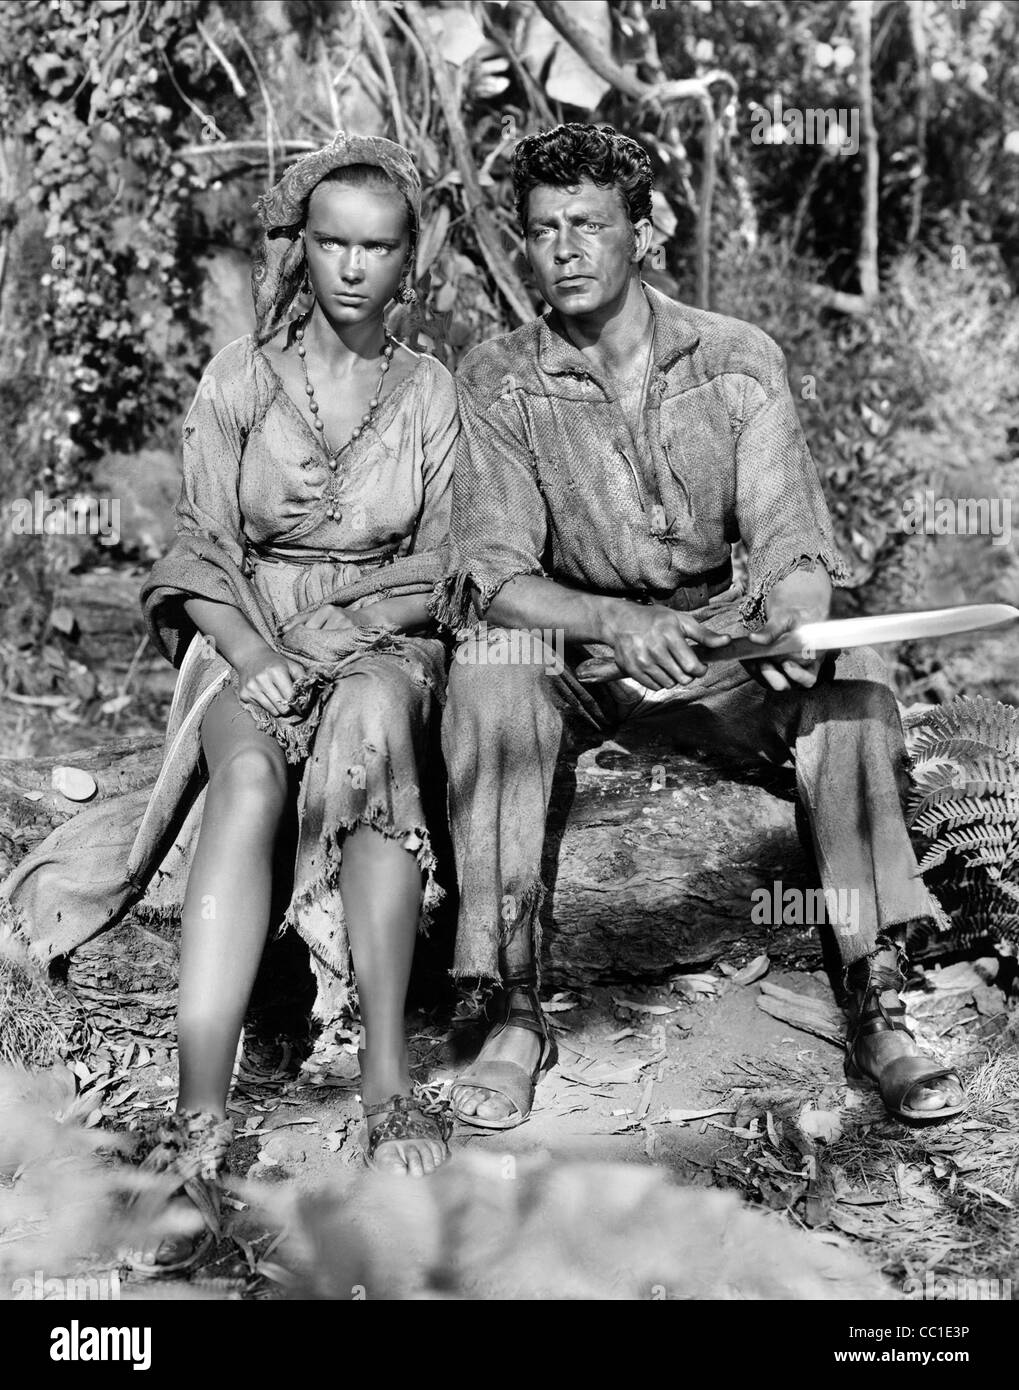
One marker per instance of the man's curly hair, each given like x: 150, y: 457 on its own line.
x: 563, y: 156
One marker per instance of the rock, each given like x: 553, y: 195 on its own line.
x: 657, y: 864
x: 285, y: 1148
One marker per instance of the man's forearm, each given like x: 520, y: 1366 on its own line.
x: 806, y: 592
x: 531, y: 601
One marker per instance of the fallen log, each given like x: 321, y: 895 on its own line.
x: 31, y: 804
x: 653, y: 873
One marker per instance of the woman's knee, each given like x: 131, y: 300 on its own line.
x: 252, y: 776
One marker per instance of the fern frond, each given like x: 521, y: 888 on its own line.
x: 986, y: 721
x: 978, y: 839
x: 950, y: 814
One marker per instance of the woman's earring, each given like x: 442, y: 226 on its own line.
x: 306, y: 282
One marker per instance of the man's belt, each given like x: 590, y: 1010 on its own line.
x: 692, y: 590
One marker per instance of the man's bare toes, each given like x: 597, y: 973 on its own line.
x: 467, y: 1101
x: 936, y: 1096
x: 495, y: 1108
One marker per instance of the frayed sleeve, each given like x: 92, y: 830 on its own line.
x: 214, y: 435
x: 440, y: 433
x: 781, y: 511
x: 207, y: 510
x: 499, y: 526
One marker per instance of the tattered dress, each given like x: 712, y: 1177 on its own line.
x: 269, y: 521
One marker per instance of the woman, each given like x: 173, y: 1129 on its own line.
x: 318, y: 457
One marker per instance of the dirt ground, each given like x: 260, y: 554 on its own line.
x: 690, y: 1081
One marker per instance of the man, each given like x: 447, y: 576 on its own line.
x: 611, y: 453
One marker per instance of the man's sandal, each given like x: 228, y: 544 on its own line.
x: 509, y: 1079
x: 901, y: 1076
x: 192, y: 1148
x: 406, y: 1118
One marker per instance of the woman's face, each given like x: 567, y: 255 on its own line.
x: 356, y: 242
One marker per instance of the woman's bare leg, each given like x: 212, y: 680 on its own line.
x: 225, y: 917
x: 380, y: 883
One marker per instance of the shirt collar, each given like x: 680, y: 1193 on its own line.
x: 674, y: 336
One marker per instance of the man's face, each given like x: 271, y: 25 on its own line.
x: 582, y: 246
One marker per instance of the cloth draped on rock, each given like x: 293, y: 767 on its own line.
x: 267, y: 524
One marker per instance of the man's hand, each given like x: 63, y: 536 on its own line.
x: 266, y: 679
x: 652, y: 644
x: 804, y: 596
x: 785, y: 671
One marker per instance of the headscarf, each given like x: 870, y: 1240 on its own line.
x: 280, y: 264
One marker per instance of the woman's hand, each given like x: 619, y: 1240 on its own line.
x: 266, y: 679
x: 330, y: 617
x: 384, y: 612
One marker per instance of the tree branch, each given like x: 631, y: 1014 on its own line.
x: 377, y: 45
x: 918, y: 34
x: 501, y: 271
x: 861, y: 12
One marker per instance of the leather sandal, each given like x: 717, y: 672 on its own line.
x: 193, y: 1149
x: 406, y: 1118
x: 509, y: 1079
x: 901, y: 1075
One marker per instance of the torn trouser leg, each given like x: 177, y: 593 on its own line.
x: 852, y: 771
x: 845, y: 736
x: 505, y: 727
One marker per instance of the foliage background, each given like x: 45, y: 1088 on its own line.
x: 135, y: 138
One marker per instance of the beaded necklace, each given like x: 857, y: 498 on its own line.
x: 387, y: 357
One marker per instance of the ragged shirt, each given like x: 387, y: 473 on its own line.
x: 255, y: 477
x: 550, y: 479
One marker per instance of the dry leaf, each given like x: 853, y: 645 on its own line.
x: 695, y: 986
x: 63, y: 620
x: 682, y: 1117
x: 752, y: 971
x: 115, y: 704
x: 824, y: 1125
x: 623, y: 1033
x: 636, y: 1008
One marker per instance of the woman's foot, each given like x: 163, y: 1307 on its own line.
x: 880, y: 1037
x: 402, y: 1137
x: 518, y: 1045
x: 191, y: 1148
